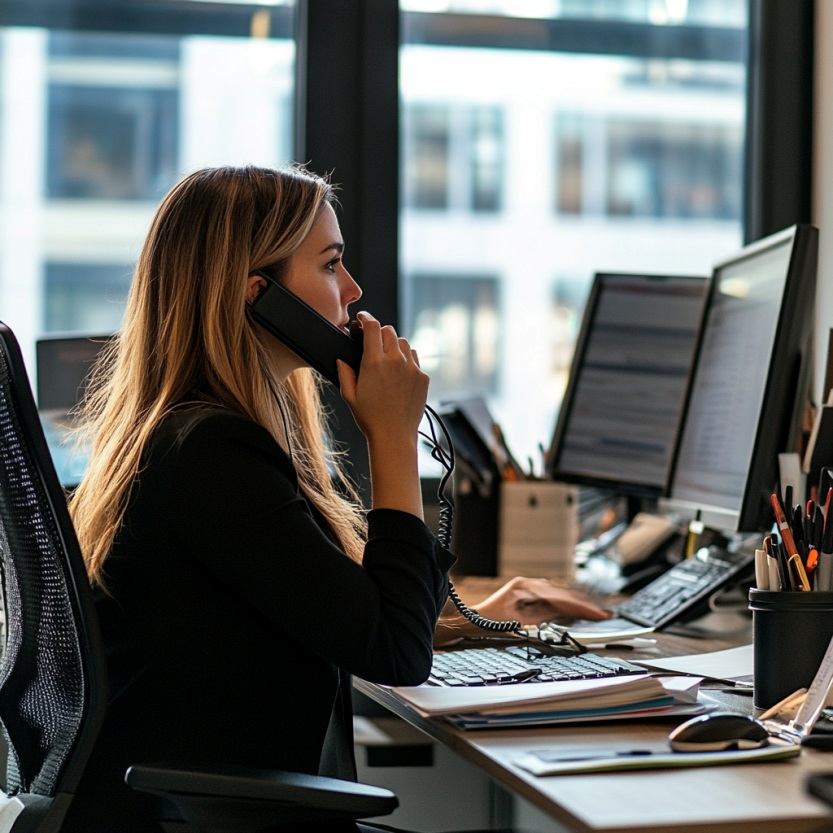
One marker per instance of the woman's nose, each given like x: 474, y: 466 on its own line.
x: 352, y: 291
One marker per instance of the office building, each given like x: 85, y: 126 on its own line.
x: 523, y: 170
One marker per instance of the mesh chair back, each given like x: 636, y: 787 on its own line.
x: 52, y: 692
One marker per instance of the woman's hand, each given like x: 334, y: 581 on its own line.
x: 536, y: 600
x: 387, y: 401
x: 388, y: 397
x: 531, y: 601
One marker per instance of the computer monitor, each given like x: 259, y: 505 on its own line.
x: 63, y: 363
x: 623, y: 407
x: 750, y: 384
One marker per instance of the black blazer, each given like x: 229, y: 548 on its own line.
x: 232, y: 621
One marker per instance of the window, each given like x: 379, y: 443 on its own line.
x: 429, y: 137
x: 540, y: 141
x: 674, y: 170
x: 112, y: 116
x: 85, y: 297
x: 454, y: 331
x: 649, y: 168
x: 455, y: 157
x: 584, y: 137
x: 105, y: 122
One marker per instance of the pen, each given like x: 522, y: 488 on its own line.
x: 797, y: 524
x: 803, y: 551
x: 812, y: 560
x: 511, y: 469
x: 775, y: 582
x: 809, y: 529
x: 783, y: 563
x: 695, y: 529
x: 568, y: 756
x: 818, y: 526
x: 790, y: 703
x: 780, y: 558
x: 798, y: 575
x: 788, y: 496
x: 783, y: 526
x: 823, y: 579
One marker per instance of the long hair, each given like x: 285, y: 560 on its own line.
x: 186, y: 339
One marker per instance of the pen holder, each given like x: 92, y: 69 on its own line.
x: 537, y: 530
x: 475, y: 527
x: 790, y: 633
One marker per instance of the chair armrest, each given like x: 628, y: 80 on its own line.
x: 236, y: 793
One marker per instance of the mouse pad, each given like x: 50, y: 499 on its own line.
x: 569, y: 761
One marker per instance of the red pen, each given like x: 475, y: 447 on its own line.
x: 783, y: 526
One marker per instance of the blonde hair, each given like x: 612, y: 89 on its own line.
x: 187, y: 338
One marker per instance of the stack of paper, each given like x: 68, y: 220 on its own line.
x: 533, y: 704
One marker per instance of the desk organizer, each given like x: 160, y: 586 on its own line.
x: 538, y: 530
x: 790, y: 633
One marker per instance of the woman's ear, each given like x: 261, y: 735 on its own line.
x: 255, y: 284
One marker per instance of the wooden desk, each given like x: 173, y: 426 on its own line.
x: 758, y: 798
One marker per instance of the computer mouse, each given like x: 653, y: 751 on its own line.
x: 718, y: 731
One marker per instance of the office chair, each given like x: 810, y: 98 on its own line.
x: 53, y: 692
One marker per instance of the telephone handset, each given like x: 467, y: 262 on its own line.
x: 320, y: 343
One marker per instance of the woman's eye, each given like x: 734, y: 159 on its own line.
x: 331, y: 266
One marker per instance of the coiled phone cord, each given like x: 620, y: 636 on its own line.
x: 443, y: 453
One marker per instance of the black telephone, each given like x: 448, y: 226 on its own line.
x: 320, y: 343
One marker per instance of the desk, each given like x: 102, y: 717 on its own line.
x: 764, y: 798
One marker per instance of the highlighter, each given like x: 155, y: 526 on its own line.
x: 798, y: 575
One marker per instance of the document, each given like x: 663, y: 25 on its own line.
x: 734, y: 664
x: 547, y: 703
x: 570, y: 761
x: 438, y: 700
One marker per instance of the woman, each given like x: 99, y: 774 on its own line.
x: 238, y: 581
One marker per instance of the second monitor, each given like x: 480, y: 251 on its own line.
x: 625, y: 398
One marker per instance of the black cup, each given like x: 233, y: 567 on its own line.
x: 790, y: 634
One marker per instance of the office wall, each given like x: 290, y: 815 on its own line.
x: 823, y: 179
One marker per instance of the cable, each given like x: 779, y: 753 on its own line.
x: 445, y: 457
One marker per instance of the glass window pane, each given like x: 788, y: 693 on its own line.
x: 459, y: 313
x: 533, y: 168
x: 95, y: 127
x: 487, y: 145
x: 87, y: 297
x: 427, y: 137
x: 110, y: 144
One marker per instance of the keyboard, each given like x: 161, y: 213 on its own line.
x: 684, y: 585
x: 521, y: 664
